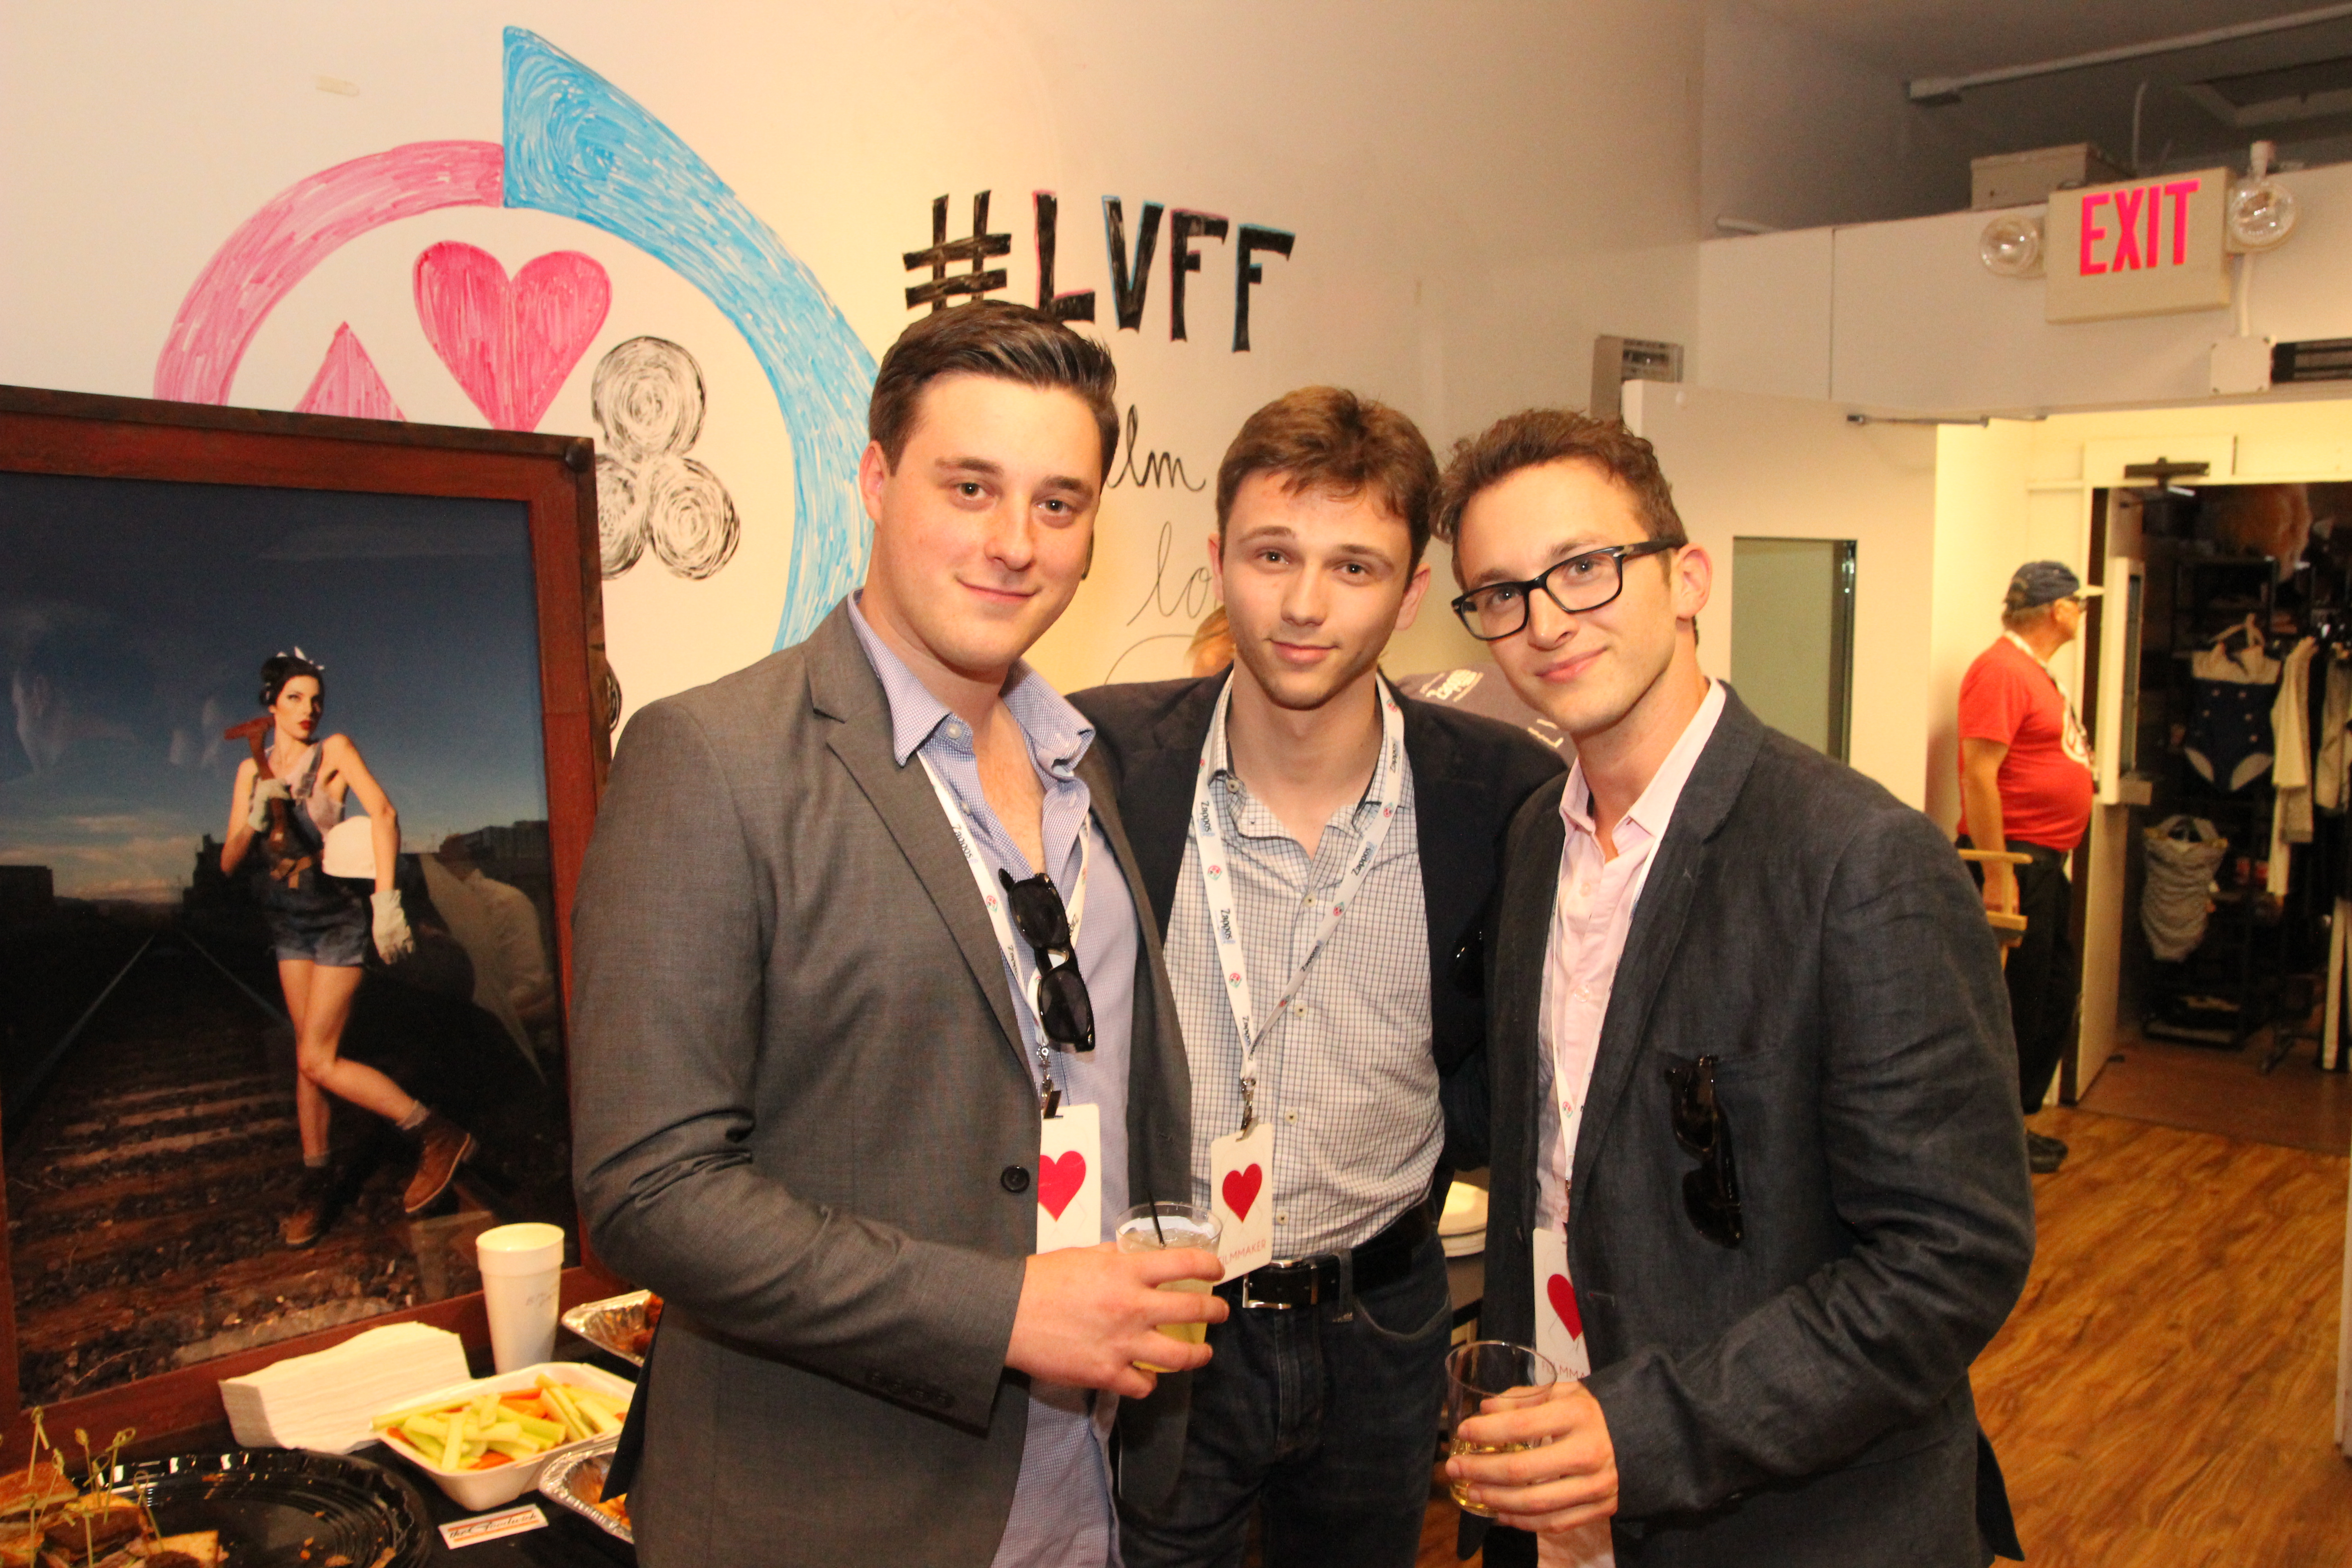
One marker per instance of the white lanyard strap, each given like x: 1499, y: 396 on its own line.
x: 1217, y: 882
x: 991, y: 898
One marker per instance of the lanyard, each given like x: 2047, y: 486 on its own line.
x: 2078, y: 740
x: 1217, y: 885
x: 992, y: 900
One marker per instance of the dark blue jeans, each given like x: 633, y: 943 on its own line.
x: 1327, y: 1416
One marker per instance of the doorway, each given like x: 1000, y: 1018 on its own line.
x: 1792, y: 637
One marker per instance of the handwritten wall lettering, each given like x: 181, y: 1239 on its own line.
x: 1159, y: 468
x: 1274, y: 241
x: 975, y: 248
x: 1128, y: 284
x: 1189, y: 598
x: 1076, y: 306
x: 1185, y: 227
x: 1131, y: 261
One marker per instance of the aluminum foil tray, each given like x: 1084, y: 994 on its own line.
x: 608, y: 1324
x: 555, y: 1485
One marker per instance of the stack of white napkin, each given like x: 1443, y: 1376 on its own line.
x: 325, y: 1401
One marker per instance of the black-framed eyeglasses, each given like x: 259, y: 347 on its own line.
x: 1580, y: 583
x: 1711, y: 1192
x: 1064, y: 1012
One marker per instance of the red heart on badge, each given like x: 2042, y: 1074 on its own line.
x: 1563, y: 1302
x: 1241, y: 1189
x: 1058, y: 1181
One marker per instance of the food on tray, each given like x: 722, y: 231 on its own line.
x: 636, y: 1341
x: 494, y: 1429
x: 588, y: 1484
x: 43, y: 1485
x: 46, y: 1521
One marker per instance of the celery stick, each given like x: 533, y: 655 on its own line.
x: 453, y: 1447
x: 546, y: 1431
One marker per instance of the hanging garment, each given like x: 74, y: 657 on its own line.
x: 2291, y: 762
x: 2329, y: 767
x: 2230, y: 734
x: 2182, y: 854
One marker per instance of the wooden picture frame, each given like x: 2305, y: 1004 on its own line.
x: 553, y: 477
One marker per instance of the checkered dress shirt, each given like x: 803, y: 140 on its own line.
x: 1345, y: 1075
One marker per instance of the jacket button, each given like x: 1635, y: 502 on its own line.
x: 1014, y: 1178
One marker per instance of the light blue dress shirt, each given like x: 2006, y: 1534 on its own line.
x: 1062, y: 1515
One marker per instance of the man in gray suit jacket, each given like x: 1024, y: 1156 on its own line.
x: 1757, y: 1173
x: 873, y: 1046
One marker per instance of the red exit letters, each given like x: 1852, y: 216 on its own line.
x: 2139, y: 214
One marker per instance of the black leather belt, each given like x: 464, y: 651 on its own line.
x: 1306, y: 1281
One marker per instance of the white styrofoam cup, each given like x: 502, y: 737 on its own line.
x: 522, y: 1266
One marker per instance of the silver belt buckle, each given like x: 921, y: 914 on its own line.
x: 1314, y: 1288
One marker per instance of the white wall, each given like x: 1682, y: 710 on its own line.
x: 1745, y: 465
x: 1477, y: 190
x: 1915, y: 321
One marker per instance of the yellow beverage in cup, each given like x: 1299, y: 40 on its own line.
x: 1172, y: 1225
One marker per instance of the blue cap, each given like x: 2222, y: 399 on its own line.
x: 2042, y: 582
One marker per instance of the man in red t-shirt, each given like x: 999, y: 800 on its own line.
x: 2026, y: 786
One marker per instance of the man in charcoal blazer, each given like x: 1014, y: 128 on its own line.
x: 1746, y: 1011
x: 809, y: 1098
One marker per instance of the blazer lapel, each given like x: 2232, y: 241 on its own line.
x: 1707, y: 799
x: 843, y: 687
x: 1522, y: 944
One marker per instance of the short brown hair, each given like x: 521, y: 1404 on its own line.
x: 1327, y: 438
x: 994, y: 338
x: 1534, y: 437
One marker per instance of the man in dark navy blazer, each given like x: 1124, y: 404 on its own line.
x: 1260, y: 800
x: 1753, y: 1115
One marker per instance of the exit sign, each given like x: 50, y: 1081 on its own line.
x: 2147, y: 248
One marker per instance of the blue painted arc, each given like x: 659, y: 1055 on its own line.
x: 578, y: 147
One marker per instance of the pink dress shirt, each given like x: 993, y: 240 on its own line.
x: 1590, y: 914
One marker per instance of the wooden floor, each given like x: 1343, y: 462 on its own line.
x: 2164, y: 1392
x: 2205, y: 1090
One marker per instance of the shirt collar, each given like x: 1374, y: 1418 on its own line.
x: 1058, y: 733
x: 1656, y: 808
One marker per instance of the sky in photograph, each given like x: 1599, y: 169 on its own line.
x: 147, y: 609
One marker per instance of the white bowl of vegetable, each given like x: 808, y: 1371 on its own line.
x: 485, y: 1442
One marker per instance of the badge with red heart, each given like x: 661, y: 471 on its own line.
x: 1069, y: 1178
x: 1238, y: 1164
x: 1560, y: 1323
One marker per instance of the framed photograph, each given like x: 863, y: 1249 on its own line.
x: 308, y: 723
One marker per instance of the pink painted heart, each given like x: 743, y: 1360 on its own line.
x: 1563, y: 1302
x: 1058, y: 1181
x: 1241, y: 1189
x: 510, y: 341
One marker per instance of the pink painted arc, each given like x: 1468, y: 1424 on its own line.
x: 509, y: 342
x: 347, y: 383
x: 293, y: 232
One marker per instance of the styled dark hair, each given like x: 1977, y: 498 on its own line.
x: 280, y: 668
x: 992, y: 338
x: 1327, y: 438
x: 1537, y: 435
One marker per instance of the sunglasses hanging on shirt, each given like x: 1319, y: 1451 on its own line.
x: 1065, y: 1013
x: 1711, y: 1192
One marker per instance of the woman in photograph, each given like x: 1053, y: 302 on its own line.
x: 321, y: 928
